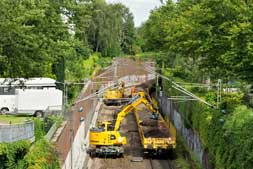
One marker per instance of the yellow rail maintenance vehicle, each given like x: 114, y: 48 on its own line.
x: 158, y: 137
x: 114, y: 95
x: 105, y: 139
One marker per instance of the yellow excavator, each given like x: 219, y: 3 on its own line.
x: 114, y: 95
x: 105, y: 139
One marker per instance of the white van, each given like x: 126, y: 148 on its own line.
x: 29, y: 96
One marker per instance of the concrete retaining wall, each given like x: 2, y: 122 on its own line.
x: 16, y: 132
x: 73, y: 129
x: 76, y: 152
x: 190, y: 136
x: 77, y: 155
x: 51, y: 132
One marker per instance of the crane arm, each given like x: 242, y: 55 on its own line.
x: 138, y: 99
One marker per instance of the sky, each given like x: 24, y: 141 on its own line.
x: 140, y: 8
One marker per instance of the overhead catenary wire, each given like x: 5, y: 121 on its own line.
x: 176, y: 86
x: 180, y: 96
x: 109, y: 70
x: 183, y: 99
x: 174, y: 83
x: 105, y: 72
x: 183, y: 91
x: 96, y: 93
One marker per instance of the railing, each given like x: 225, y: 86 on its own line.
x: 51, y: 132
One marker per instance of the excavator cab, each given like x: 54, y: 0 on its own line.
x: 101, y: 126
x: 103, y: 134
x: 106, y: 139
x: 154, y: 116
x: 114, y: 95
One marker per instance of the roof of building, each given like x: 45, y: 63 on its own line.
x: 37, y: 81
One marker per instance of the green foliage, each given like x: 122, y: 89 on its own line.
x: 182, y: 164
x: 213, y: 36
x: 111, y: 28
x: 50, y: 120
x: 35, y: 42
x: 17, y: 154
x: 185, y: 158
x: 230, y: 101
x: 90, y: 64
x: 32, y: 35
x: 230, y: 130
x: 39, y: 131
x: 12, y: 153
x: 95, y: 61
x: 35, y: 39
x: 202, y: 40
x: 156, y: 56
x: 11, y: 119
x: 231, y: 141
x: 42, y: 126
x: 41, y: 156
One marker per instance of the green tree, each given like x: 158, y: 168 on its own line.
x: 212, y: 36
x: 32, y: 34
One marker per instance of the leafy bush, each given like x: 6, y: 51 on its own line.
x: 88, y: 66
x: 12, y: 153
x: 231, y: 140
x: 227, y: 135
x: 231, y: 133
x: 185, y: 159
x: 230, y: 101
x: 41, y: 156
x: 50, y: 120
x: 39, y: 131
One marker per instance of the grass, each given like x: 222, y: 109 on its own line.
x: 185, y: 157
x: 181, y: 163
x: 11, y: 119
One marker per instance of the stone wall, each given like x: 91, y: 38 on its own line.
x: 15, y: 132
x: 190, y: 136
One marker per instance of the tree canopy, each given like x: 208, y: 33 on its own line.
x: 49, y: 38
x: 215, y: 36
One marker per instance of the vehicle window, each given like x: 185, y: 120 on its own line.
x: 112, y: 137
x: 7, y: 91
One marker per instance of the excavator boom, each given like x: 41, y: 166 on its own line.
x: 106, y: 137
x: 135, y: 101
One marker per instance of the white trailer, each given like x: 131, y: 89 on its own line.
x: 34, y: 96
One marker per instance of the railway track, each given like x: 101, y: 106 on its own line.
x: 160, y: 164
x: 133, y: 148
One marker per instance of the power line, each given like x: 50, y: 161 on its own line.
x: 176, y: 86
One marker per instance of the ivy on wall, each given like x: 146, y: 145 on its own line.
x: 226, y: 133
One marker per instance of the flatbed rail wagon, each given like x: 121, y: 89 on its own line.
x: 157, y: 136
